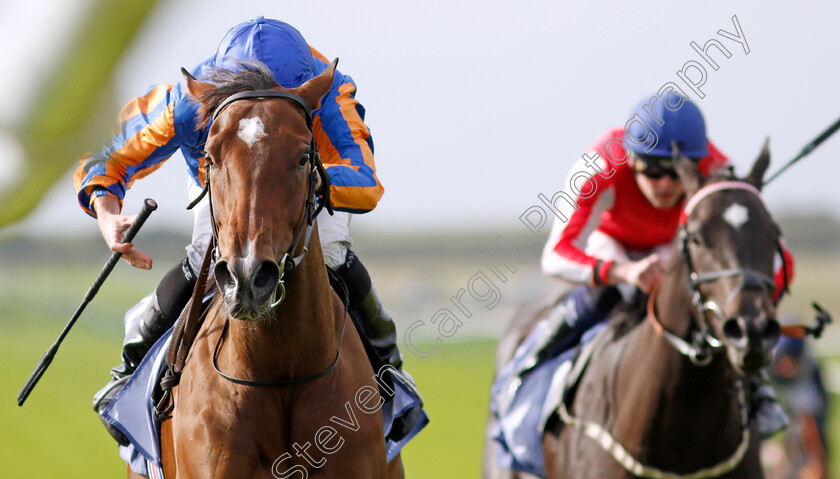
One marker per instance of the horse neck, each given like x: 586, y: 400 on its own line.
x: 672, y: 391
x: 675, y: 311
x: 299, y: 338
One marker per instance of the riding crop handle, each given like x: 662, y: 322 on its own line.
x: 149, y: 205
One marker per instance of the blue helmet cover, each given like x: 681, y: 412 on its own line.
x: 652, y: 127
x: 787, y: 346
x: 277, y: 44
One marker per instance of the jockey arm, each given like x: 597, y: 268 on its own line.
x: 152, y: 127
x: 145, y: 137
x: 780, y: 269
x: 345, y: 145
x: 564, y: 256
x: 567, y: 257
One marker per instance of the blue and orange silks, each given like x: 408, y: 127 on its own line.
x: 152, y: 127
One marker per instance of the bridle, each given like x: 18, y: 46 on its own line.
x: 703, y: 340
x: 289, y: 261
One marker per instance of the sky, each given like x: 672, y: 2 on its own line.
x: 476, y: 108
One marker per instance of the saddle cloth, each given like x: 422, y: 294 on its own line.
x: 132, y: 412
x: 522, y: 407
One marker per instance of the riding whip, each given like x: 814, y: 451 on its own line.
x: 149, y: 205
x: 808, y: 149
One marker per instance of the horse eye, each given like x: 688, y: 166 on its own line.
x: 304, y: 159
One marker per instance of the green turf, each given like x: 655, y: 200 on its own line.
x: 455, y: 383
x: 57, y: 433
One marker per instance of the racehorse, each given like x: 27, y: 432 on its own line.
x: 666, y: 396
x: 275, y: 384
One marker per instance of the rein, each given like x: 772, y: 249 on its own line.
x: 611, y: 445
x: 289, y: 381
x: 696, y: 353
x: 619, y: 453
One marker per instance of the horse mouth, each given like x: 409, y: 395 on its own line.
x: 750, y: 362
x: 245, y: 313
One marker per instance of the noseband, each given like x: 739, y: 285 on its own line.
x: 289, y: 261
x: 703, y: 340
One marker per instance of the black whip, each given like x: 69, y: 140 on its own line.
x: 807, y: 150
x: 149, y: 205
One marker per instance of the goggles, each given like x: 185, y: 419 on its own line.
x: 654, y: 167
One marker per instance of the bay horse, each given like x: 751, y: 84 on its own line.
x: 665, y: 397
x: 275, y: 384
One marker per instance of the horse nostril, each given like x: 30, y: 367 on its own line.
x: 772, y: 330
x: 732, y: 330
x: 224, y: 278
x: 266, y: 277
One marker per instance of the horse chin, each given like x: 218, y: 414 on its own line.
x: 748, y: 362
x: 250, y: 313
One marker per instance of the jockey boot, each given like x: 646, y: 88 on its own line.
x: 377, y: 326
x: 575, y: 314
x: 765, y: 409
x: 157, y: 316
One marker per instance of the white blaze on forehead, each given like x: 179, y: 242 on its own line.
x: 736, y: 215
x: 251, y: 130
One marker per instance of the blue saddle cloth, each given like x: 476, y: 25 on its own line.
x: 132, y: 412
x: 522, y: 407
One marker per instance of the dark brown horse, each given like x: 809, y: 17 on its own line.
x: 275, y: 384
x: 664, y: 397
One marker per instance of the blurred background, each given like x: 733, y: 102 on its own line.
x: 475, y: 109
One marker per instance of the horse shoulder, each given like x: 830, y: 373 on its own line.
x: 348, y: 409
x: 566, y: 447
x: 167, y: 448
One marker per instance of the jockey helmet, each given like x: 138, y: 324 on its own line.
x: 277, y: 44
x: 668, y: 123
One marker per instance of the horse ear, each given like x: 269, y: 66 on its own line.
x: 756, y: 176
x: 313, y: 90
x: 195, y: 87
x: 688, y: 171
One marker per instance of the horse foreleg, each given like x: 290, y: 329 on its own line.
x: 395, y: 468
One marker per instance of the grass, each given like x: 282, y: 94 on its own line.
x: 455, y: 383
x: 57, y: 433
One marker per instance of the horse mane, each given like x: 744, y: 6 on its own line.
x: 248, y: 75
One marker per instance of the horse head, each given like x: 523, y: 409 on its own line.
x: 729, y: 241
x: 260, y: 159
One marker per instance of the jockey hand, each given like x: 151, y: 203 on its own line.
x: 113, y: 225
x: 644, y: 274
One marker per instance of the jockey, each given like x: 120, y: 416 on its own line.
x: 617, y: 243
x: 154, y: 126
